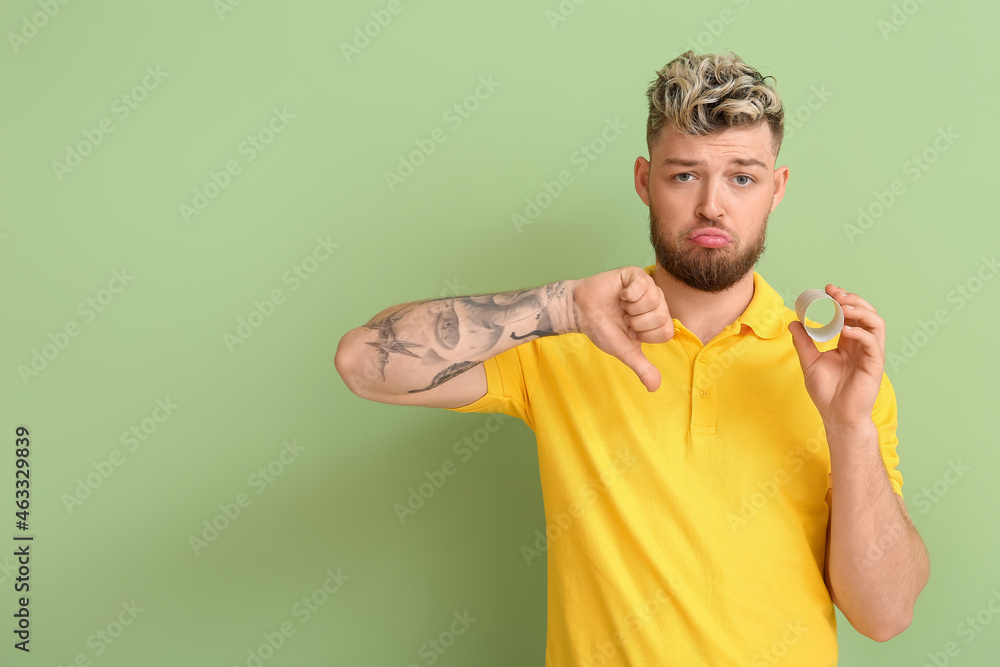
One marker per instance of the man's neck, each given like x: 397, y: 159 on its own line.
x: 703, y: 313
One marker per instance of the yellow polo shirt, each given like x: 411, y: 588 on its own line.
x: 685, y: 526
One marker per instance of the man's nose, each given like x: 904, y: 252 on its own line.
x: 710, y: 204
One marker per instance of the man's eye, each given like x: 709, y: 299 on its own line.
x: 748, y: 181
x: 678, y: 176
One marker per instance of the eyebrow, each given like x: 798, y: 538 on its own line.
x: 742, y: 161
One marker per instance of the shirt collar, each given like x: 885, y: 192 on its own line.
x: 765, y: 315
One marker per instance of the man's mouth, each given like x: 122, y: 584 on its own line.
x: 710, y: 237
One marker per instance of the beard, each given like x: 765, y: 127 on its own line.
x: 711, y: 270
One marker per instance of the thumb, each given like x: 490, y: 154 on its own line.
x: 804, y: 345
x: 647, y: 372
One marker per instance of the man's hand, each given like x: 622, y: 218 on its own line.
x: 844, y: 382
x: 618, y: 310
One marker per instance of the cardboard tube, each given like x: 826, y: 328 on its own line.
x: 824, y: 333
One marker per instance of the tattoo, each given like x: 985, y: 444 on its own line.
x: 446, y: 329
x: 537, y: 332
x: 484, y: 318
x: 387, y: 342
x: 447, y: 374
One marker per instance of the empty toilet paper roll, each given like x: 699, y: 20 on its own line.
x: 819, y: 334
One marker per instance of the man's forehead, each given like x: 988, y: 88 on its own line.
x: 742, y: 146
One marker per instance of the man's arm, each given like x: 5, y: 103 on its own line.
x: 412, y: 348
x: 877, y: 597
x: 408, y: 353
x: 876, y: 563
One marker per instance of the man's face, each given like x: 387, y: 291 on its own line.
x: 709, y: 199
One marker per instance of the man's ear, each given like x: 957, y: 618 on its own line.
x: 780, y: 181
x: 642, y: 179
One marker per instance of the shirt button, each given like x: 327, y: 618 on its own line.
x: 703, y: 359
x: 704, y: 393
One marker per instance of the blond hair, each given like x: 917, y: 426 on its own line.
x: 702, y: 94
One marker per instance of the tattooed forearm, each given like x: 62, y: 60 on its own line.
x: 447, y: 374
x: 450, y: 335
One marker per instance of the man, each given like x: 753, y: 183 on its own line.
x: 691, y: 515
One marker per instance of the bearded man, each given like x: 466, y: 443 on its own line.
x: 714, y: 480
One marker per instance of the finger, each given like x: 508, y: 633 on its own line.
x: 633, y: 283
x: 843, y: 297
x: 868, y: 320
x: 651, y: 300
x: 862, y: 317
x: 858, y: 312
x: 655, y: 327
x: 644, y: 304
x: 647, y: 321
x: 658, y: 335
x: 805, y: 348
x: 648, y: 374
x: 638, y: 297
x: 869, y: 341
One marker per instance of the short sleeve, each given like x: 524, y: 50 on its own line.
x: 884, y: 416
x: 508, y: 378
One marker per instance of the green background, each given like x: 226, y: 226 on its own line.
x: 445, y: 230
